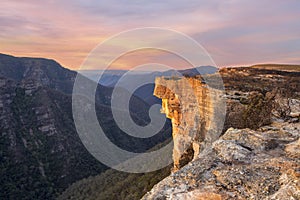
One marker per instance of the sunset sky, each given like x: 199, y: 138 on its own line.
x: 234, y: 32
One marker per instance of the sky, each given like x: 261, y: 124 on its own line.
x: 234, y: 32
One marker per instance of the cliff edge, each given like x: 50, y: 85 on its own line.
x: 193, y: 110
x: 257, y: 153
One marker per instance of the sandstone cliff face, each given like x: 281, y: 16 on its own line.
x: 192, y: 108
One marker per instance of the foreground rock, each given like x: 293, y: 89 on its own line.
x: 242, y: 164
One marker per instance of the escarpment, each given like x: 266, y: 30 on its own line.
x: 256, y: 155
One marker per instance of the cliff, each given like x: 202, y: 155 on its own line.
x: 192, y: 108
x: 257, y: 154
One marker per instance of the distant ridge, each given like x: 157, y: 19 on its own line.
x: 280, y: 67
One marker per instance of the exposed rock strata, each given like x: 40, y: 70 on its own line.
x: 192, y: 107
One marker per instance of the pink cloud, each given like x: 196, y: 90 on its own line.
x: 234, y: 32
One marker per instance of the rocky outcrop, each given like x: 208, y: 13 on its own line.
x: 241, y: 164
x: 253, y: 98
x: 192, y: 108
x: 257, y: 156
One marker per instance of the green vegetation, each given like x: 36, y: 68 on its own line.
x: 37, y: 165
x: 113, y: 184
x: 41, y: 154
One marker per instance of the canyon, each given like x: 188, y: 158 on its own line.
x: 234, y: 139
x: 41, y: 152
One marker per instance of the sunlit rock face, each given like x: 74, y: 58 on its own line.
x: 191, y: 106
x: 253, y: 98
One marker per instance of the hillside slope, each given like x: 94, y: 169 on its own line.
x: 41, y: 153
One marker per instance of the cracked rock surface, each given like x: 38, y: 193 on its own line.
x: 241, y: 164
